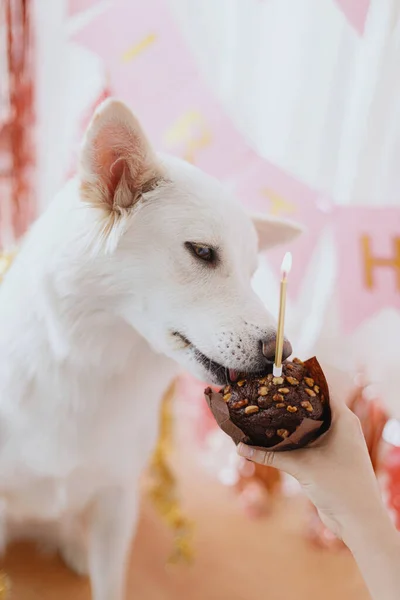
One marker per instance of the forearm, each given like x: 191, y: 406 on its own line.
x: 375, y: 545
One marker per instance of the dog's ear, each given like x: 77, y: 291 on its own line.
x: 117, y: 163
x: 273, y: 231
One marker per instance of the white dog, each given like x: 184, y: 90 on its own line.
x: 140, y: 264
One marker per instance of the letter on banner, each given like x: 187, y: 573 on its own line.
x: 190, y: 132
x: 279, y: 206
x: 368, y: 249
x: 264, y: 187
x: 371, y: 262
x: 138, y: 48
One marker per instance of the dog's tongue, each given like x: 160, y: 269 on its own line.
x: 233, y: 375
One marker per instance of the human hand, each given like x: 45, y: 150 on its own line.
x: 335, y: 472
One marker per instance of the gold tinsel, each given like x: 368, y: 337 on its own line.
x: 163, y: 485
x: 163, y: 489
x: 5, y: 586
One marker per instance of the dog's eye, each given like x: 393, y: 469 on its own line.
x: 202, y: 252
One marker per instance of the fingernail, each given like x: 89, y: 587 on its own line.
x: 245, y: 450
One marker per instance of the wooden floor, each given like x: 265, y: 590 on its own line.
x: 237, y: 559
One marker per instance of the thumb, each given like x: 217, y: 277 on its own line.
x: 279, y: 460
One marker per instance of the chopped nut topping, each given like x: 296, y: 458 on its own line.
x: 277, y: 380
x: 283, y: 433
x: 307, y: 405
x: 262, y: 391
x: 283, y: 390
x: 309, y: 381
x: 241, y: 382
x: 310, y: 392
x: 227, y: 397
x: 278, y: 398
x: 240, y: 404
x: 298, y: 361
x: 316, y: 389
x: 291, y: 409
x: 292, y: 380
x: 280, y: 405
x: 227, y: 389
x: 249, y: 410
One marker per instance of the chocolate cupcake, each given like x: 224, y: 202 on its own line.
x: 281, y: 413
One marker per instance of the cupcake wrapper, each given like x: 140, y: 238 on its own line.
x: 307, y: 431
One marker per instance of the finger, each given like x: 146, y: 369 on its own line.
x: 279, y: 460
x: 262, y: 457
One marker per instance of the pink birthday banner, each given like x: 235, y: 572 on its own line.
x: 265, y: 188
x: 356, y: 12
x: 368, y: 246
x: 150, y: 67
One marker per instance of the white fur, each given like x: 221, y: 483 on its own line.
x: 87, y: 314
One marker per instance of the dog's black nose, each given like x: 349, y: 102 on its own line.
x: 268, y: 347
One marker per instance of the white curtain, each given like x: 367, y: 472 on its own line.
x: 68, y: 80
x: 310, y: 93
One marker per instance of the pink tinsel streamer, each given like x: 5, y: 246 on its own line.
x: 17, y: 116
